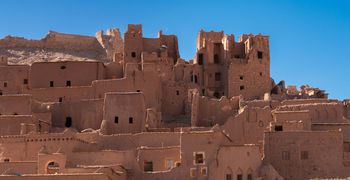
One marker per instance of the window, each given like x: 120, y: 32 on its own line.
x: 285, y: 155
x: 0, y: 93
x: 228, y: 176
x: 203, y: 92
x: 216, y: 94
x: 116, y: 119
x: 204, y: 171
x: 200, y: 59
x: 177, y: 93
x: 148, y: 166
x: 260, y: 73
x: 193, y: 172
x: 304, y: 155
x: 239, y: 177
x: 191, y: 78
x: 60, y: 99
x: 260, y: 55
x: 25, y: 81
x: 195, y: 79
x: 241, y: 88
x: 249, y: 177
x: 169, y: 164
x: 278, y: 128
x: 7, y: 160
x: 68, y: 122
x: 241, y: 77
x: 237, y: 56
x: 68, y: 83
x: 133, y: 54
x: 217, y: 76
x: 63, y: 67
x: 5, y: 84
x: 51, y: 83
x: 138, y: 90
x: 131, y: 119
x: 199, y: 158
x: 216, y: 59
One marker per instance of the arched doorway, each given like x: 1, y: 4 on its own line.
x: 52, y: 168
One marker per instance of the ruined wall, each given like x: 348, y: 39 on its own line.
x: 55, y: 41
x: 160, y: 157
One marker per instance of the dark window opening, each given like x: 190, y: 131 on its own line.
x: 68, y: 122
x: 260, y: 73
x: 237, y: 56
x: 15, y: 114
x: 304, y: 155
x: 260, y: 55
x: 200, y: 59
x: 60, y: 99
x: 0, y: 93
x: 7, y: 160
x: 278, y: 128
x: 216, y: 94
x: 51, y: 83
x: 203, y: 92
x: 217, y: 76
x: 147, y: 166
x: 241, y: 88
x: 216, y: 59
x: 5, y: 84
x: 195, y: 79
x: 250, y: 177
x: 68, y: 83
x: 241, y: 77
x: 177, y: 93
x: 191, y: 78
x: 25, y: 81
x: 116, y: 119
x: 285, y: 155
x: 228, y: 176
x: 131, y: 120
x: 138, y: 90
x: 239, y: 177
x: 63, y: 67
x: 133, y: 54
x: 199, y: 158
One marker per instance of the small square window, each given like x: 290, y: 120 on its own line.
x: 199, y: 158
x: 60, y: 99
x: 204, y: 171
x: 278, y: 128
x: 177, y: 92
x: 63, y: 67
x: 260, y: 73
x: 68, y: 83
x: 148, y: 166
x: 6, y: 160
x: 51, y: 84
x: 138, y: 90
x: 241, y: 88
x: 131, y: 120
x: 5, y: 84
x: 285, y: 155
x: 241, y: 77
x: 304, y: 155
x: 25, y: 81
x: 116, y: 119
x: 133, y: 54
x: 239, y: 177
x: 193, y: 172
x: 260, y: 55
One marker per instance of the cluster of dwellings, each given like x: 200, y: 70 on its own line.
x: 149, y: 114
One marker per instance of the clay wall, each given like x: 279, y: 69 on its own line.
x: 160, y: 157
x: 13, y: 79
x: 320, y: 112
x: 11, y: 124
x: 114, y: 70
x: 59, y: 74
x: 133, y: 45
x: 170, y: 42
x: 304, y: 155
x: 16, y: 105
x: 123, y: 113
x: 235, y: 160
x: 86, y: 176
x: 84, y: 114
x: 20, y: 167
x: 3, y: 60
x: 345, y: 128
x: 287, y: 119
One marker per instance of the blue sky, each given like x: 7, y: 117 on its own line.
x: 308, y: 39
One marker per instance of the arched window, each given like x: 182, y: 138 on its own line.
x: 52, y: 168
x: 228, y: 174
